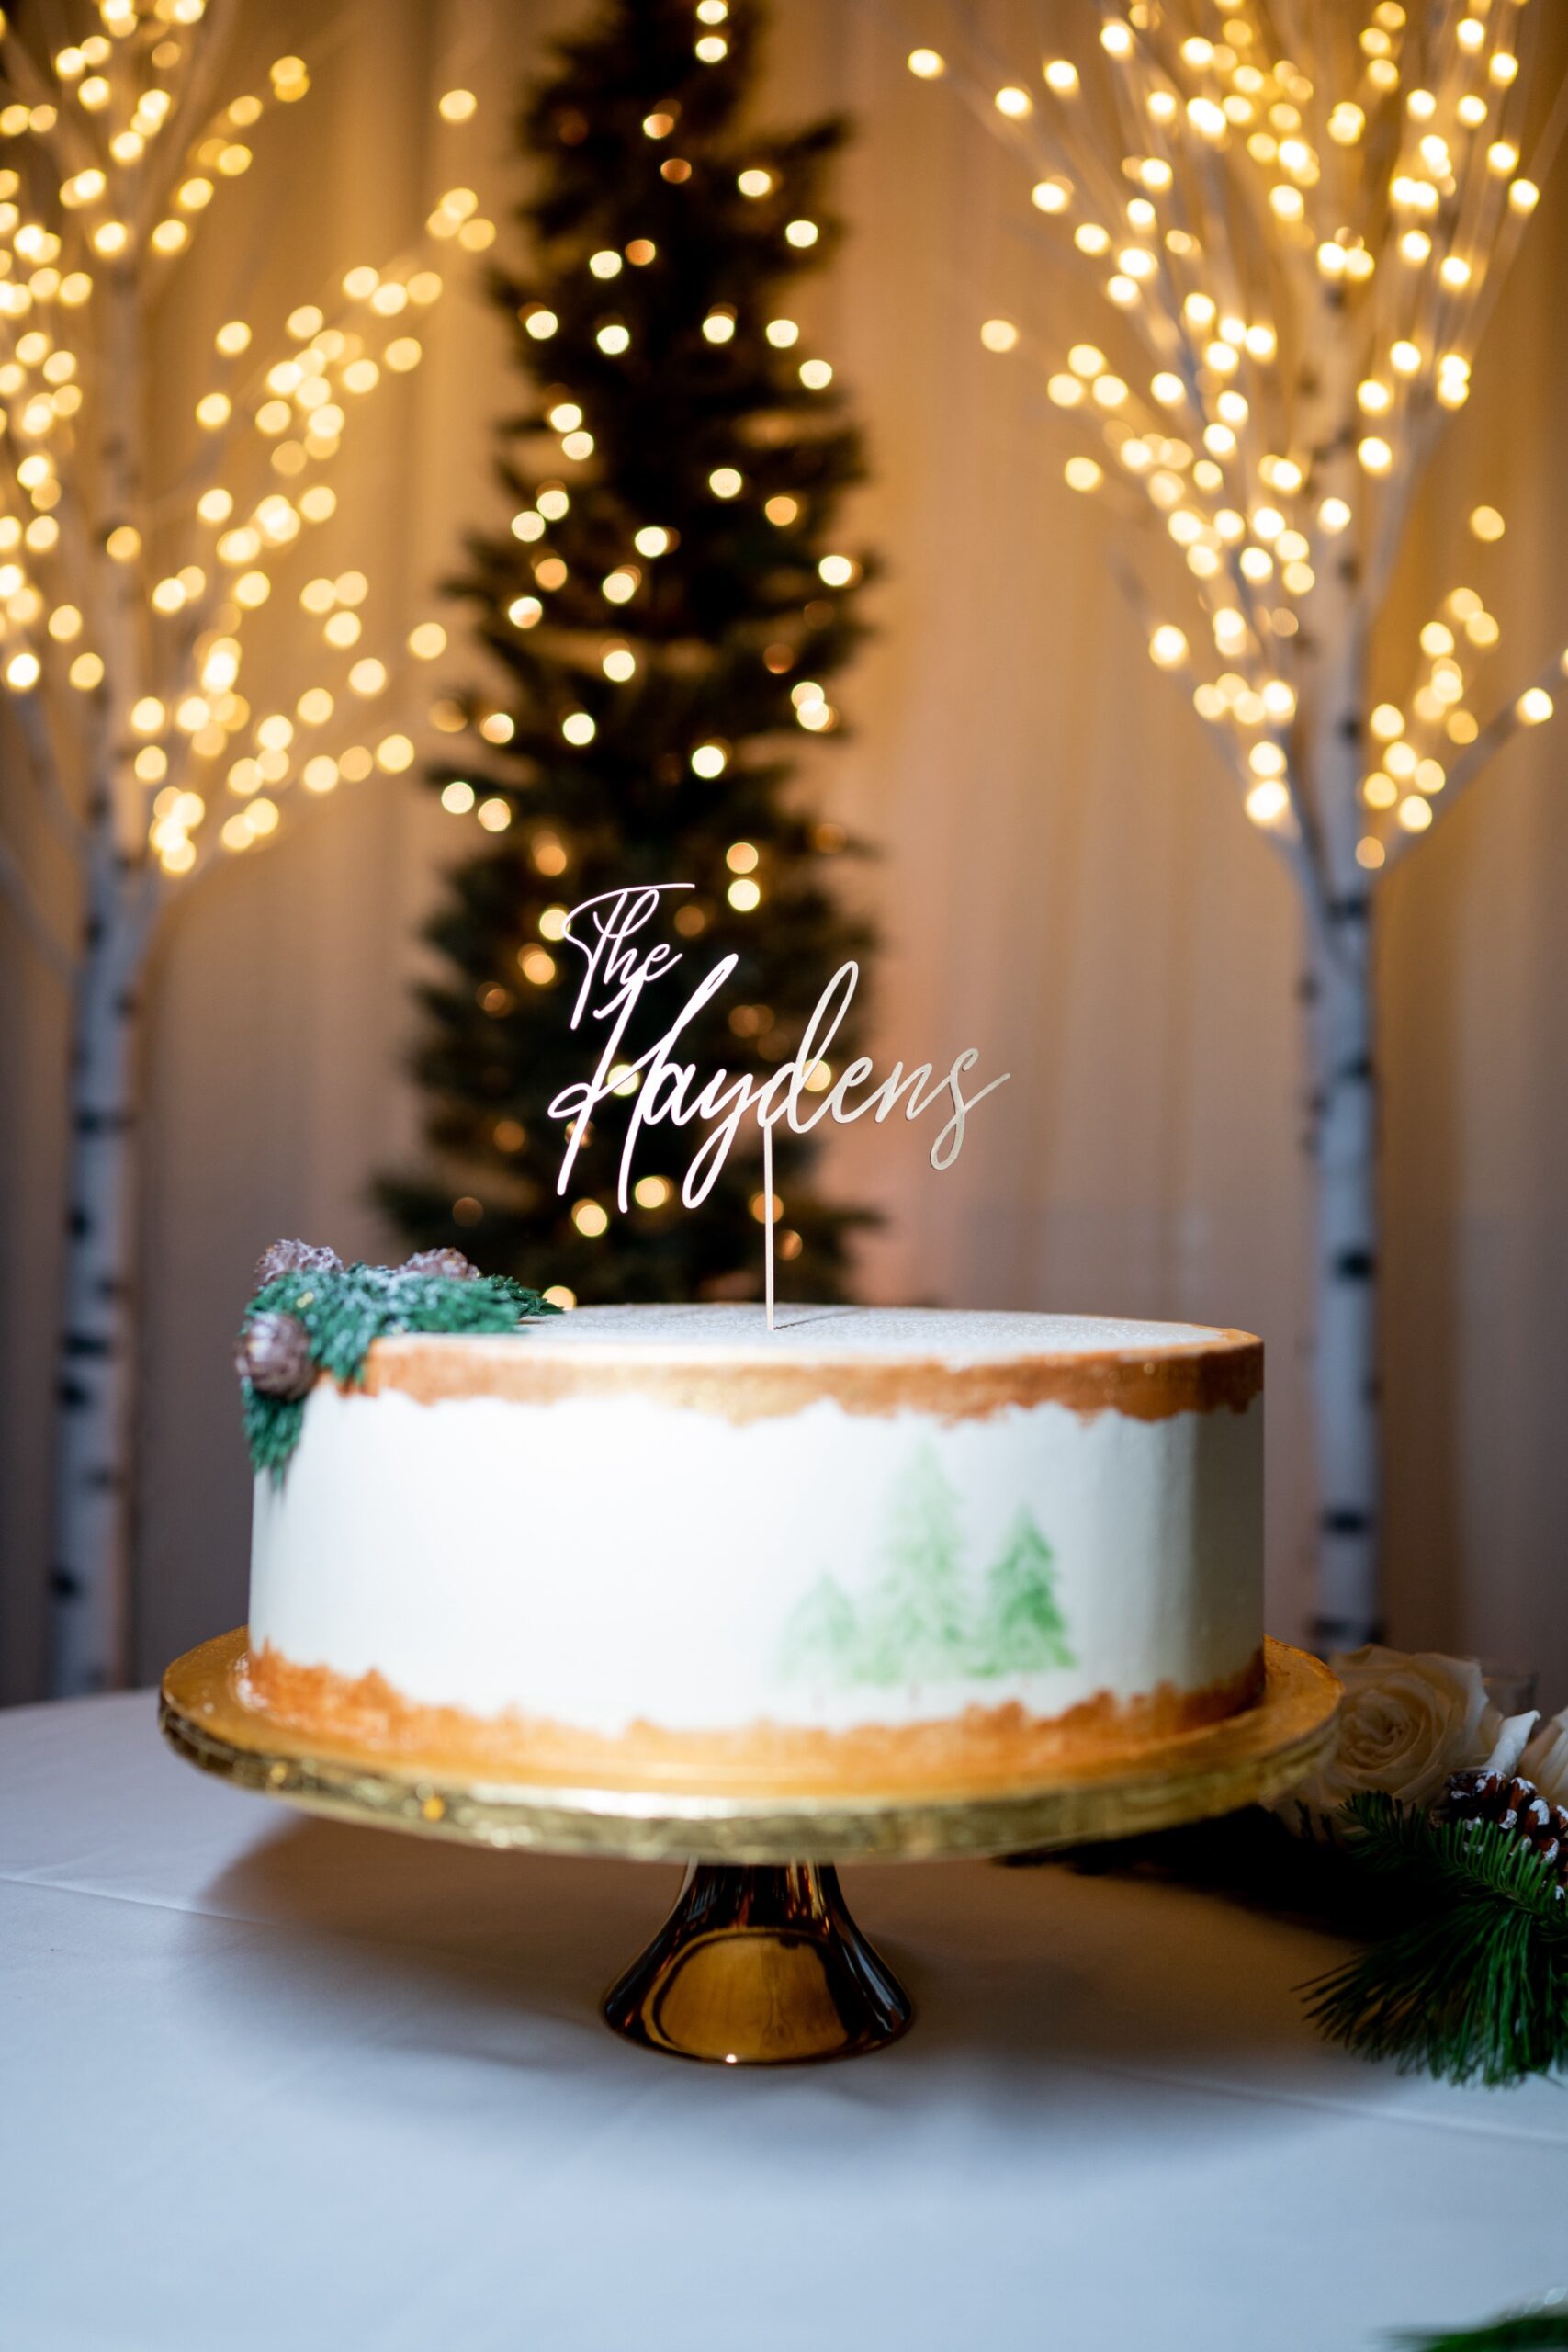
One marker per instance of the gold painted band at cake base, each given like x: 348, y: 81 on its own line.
x: 1251, y: 1757
x: 1222, y: 1372
x: 981, y: 1750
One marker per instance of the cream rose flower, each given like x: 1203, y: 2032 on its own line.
x: 1545, y: 1761
x: 1407, y: 1721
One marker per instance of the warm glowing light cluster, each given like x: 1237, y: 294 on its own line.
x: 106, y: 176
x: 1274, y: 408
x: 651, y: 543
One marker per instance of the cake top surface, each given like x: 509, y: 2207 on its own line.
x: 888, y: 1334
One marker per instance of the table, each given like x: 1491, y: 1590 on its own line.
x: 277, y: 2084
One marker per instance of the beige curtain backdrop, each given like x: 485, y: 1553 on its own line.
x: 1063, y: 879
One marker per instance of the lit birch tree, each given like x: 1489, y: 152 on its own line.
x: 1299, y: 218
x: 129, y: 596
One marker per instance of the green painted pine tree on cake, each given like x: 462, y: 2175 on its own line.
x: 917, y: 1627
x: 665, y: 602
x: 925, y: 1620
x: 1024, y: 1631
x: 821, y: 1640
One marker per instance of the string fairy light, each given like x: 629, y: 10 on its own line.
x: 135, y: 625
x: 1297, y: 250
x: 129, y: 613
x: 61, y: 292
x: 566, y: 414
x: 1255, y: 462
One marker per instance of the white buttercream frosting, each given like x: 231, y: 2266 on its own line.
x: 604, y: 1559
x: 876, y: 1334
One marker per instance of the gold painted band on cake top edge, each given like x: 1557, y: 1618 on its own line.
x: 1225, y: 1371
x: 985, y: 1751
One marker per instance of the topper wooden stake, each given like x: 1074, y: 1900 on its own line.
x: 768, y: 1220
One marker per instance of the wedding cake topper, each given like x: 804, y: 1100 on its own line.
x: 619, y: 966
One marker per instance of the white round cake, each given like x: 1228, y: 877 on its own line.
x: 875, y: 1549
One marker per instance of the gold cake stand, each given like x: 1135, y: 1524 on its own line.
x: 760, y: 1962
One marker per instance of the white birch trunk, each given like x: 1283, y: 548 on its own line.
x: 1341, y: 1075
x: 89, y: 1579
x: 1341, y: 1141
x: 90, y: 1576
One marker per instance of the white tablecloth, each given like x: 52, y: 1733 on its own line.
x: 272, y: 2083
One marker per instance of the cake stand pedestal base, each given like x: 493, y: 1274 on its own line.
x: 759, y: 1967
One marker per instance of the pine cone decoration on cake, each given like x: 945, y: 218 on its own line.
x: 1516, y: 1807
x: 272, y: 1352
x: 451, y: 1264
x: 294, y: 1258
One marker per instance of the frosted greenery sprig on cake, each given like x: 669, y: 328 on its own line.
x: 310, y: 1314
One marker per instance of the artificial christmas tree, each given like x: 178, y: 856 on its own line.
x: 666, y: 607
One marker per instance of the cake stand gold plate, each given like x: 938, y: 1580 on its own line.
x: 760, y: 1963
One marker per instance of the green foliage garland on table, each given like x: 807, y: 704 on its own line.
x: 1544, y: 2329
x: 667, y: 602
x: 1467, y: 1978
x: 1434, y: 1838
x: 1443, y: 1817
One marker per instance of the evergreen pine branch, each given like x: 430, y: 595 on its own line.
x: 1519, y: 2331
x: 343, y: 1312
x: 1462, y: 1965
x: 1472, y: 1983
